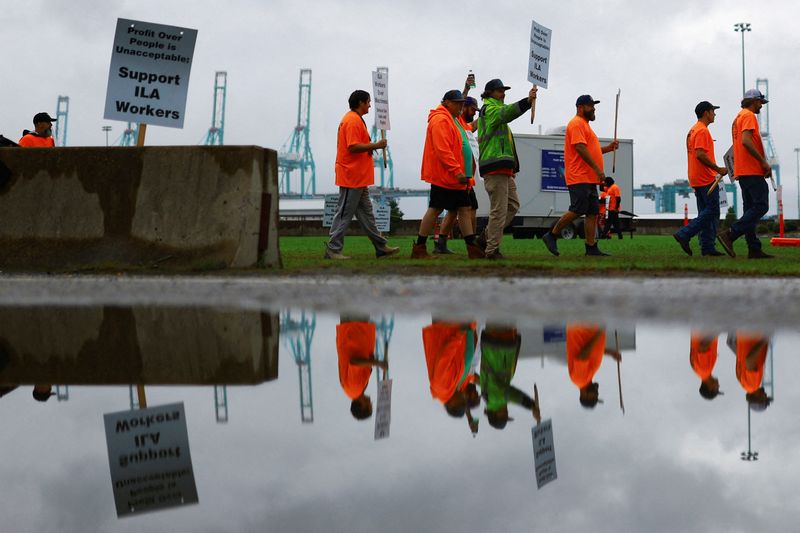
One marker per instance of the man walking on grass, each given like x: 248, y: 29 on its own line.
x: 583, y: 169
x: 751, y: 169
x: 355, y: 172
x: 703, y: 172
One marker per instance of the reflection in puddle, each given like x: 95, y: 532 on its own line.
x: 406, y: 415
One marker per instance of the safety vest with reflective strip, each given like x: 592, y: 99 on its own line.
x: 497, y: 149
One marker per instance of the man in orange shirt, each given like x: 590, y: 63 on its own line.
x: 467, y: 121
x: 703, y: 358
x: 447, y: 164
x: 614, y: 203
x: 355, y: 172
x: 355, y: 346
x: 751, y: 169
x: 586, y: 345
x: 42, y: 136
x: 703, y: 172
x: 583, y: 169
x: 601, y: 214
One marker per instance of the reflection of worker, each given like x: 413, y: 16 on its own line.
x: 499, y: 354
x: 42, y: 134
x: 751, y: 354
x: 449, y: 353
x: 41, y: 393
x: 703, y: 358
x: 586, y: 345
x: 355, y: 344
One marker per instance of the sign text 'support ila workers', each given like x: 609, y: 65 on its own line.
x: 149, y: 75
x: 539, y: 59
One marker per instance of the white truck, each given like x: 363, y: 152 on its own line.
x: 543, y: 194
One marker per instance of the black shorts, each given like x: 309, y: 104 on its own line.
x: 449, y: 199
x: 583, y: 199
x: 473, y: 200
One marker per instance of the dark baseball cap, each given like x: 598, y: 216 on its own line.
x: 755, y: 94
x: 470, y: 101
x: 585, y: 99
x: 453, y: 95
x: 702, y: 107
x: 495, y: 84
x: 42, y: 117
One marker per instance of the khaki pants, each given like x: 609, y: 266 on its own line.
x: 503, y: 205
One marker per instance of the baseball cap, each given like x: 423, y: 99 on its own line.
x: 453, y: 95
x: 42, y: 117
x: 755, y: 94
x: 585, y: 99
x: 493, y: 85
x: 470, y: 101
x: 702, y: 107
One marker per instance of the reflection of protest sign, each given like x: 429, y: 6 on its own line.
x: 149, y: 74
x: 149, y: 459
x: 544, y: 453
x: 553, y: 171
x: 383, y: 412
x: 539, y: 59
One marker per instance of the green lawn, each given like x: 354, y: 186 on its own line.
x: 642, y: 255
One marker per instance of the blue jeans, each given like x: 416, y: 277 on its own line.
x: 755, y: 198
x: 706, y: 221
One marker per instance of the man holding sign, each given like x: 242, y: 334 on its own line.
x: 354, y: 174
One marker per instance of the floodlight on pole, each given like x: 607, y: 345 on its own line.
x: 742, y: 27
x: 106, y: 129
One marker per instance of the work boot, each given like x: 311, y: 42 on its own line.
x: 758, y: 254
x: 550, y: 241
x: 385, y: 251
x: 330, y: 254
x: 495, y: 256
x: 474, y: 252
x: 420, y: 251
x: 481, y: 240
x: 595, y: 251
x: 713, y: 253
x: 440, y: 247
x: 726, y: 240
x: 684, y: 243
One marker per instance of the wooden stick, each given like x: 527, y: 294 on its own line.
x: 533, y: 110
x: 716, y: 182
x: 142, y: 133
x: 142, y: 398
x: 383, y: 138
x: 536, y: 402
x: 616, y: 116
x: 619, y: 377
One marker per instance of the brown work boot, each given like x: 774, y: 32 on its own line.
x: 420, y: 251
x: 496, y: 255
x: 385, y: 250
x: 480, y: 240
x: 726, y: 240
x: 330, y: 254
x: 758, y: 254
x: 474, y: 252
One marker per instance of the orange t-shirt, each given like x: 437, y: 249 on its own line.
x: 744, y: 164
x: 750, y: 379
x: 354, y: 340
x: 699, y: 137
x: 353, y: 170
x: 576, y: 169
x: 614, y: 196
x: 581, y: 371
x: 34, y: 141
x: 445, y: 348
x: 702, y: 358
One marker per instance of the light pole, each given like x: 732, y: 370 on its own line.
x: 749, y: 455
x: 797, y: 152
x: 106, y: 129
x: 742, y: 27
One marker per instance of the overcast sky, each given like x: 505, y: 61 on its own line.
x: 665, y: 57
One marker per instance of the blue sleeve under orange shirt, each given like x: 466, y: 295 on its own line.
x: 582, y: 371
x: 354, y: 340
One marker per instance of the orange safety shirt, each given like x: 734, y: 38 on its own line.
x: 744, y: 164
x: 614, y: 198
x: 354, y: 340
x: 445, y: 347
x: 701, y: 357
x: 442, y: 156
x: 700, y: 138
x: 581, y: 371
x: 576, y: 169
x: 35, y: 141
x: 750, y: 378
x: 353, y: 170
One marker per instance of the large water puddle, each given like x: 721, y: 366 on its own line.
x: 212, y: 419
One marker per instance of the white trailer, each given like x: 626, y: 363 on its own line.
x: 543, y: 194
